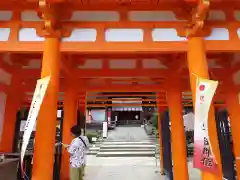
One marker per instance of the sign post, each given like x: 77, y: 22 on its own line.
x: 105, y: 129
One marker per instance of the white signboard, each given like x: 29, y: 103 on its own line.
x: 59, y: 113
x: 105, y: 129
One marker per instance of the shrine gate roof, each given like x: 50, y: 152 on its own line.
x: 133, y: 45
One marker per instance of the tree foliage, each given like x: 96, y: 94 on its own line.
x: 155, y: 120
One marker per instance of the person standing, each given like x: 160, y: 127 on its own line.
x: 77, y: 150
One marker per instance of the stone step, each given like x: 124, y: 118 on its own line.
x: 125, y: 140
x: 129, y: 146
x: 153, y: 139
x: 94, y: 148
x: 97, y: 143
x: 128, y: 143
x: 92, y: 152
x: 127, y: 150
x: 126, y: 154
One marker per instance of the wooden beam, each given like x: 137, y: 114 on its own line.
x: 107, y: 73
x: 122, y: 73
x: 123, y: 95
x: 118, y: 73
x: 114, y: 88
x: 142, y: 105
x: 128, y: 100
x: 27, y: 104
x: 138, y: 80
x: 119, y: 99
x: 122, y: 105
x: 82, y: 5
x: 123, y: 47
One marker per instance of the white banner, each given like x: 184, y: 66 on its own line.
x: 105, y: 129
x: 38, y: 96
x: 203, y: 156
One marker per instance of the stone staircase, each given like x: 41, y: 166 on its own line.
x: 94, y: 148
x: 125, y: 142
x: 126, y: 149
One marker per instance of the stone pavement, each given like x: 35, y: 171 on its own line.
x: 132, y: 168
x: 127, y: 168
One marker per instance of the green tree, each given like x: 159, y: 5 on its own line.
x: 155, y: 120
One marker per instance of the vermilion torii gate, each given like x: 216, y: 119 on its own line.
x: 116, y: 46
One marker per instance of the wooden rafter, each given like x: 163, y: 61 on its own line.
x: 129, y: 48
x: 116, y: 88
x: 162, y: 94
x: 111, y: 73
x: 119, y: 73
x: 85, y: 87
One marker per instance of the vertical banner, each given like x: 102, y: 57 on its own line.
x: 105, y: 129
x: 38, y: 96
x: 204, y: 158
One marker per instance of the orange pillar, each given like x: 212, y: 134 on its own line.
x: 70, y: 119
x: 233, y: 108
x: 179, y: 154
x: 46, y: 122
x: 198, y: 65
x: 13, y: 103
x: 160, y: 135
x: 82, y: 109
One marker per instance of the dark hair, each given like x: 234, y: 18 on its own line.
x: 76, y: 130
